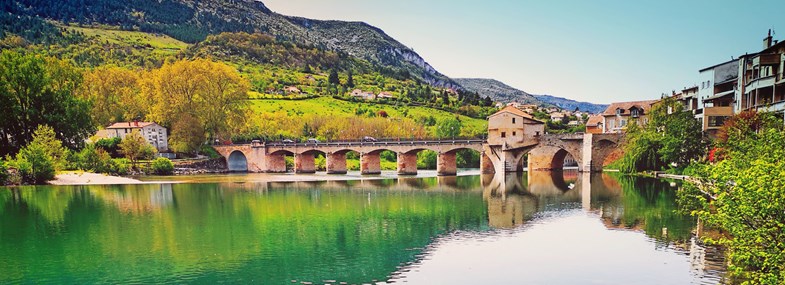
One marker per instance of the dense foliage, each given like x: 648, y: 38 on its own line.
x: 35, y: 91
x: 671, y: 137
x: 744, y: 196
x: 38, y: 161
x: 162, y: 166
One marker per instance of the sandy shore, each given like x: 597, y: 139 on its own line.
x: 87, y: 178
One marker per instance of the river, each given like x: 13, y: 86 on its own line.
x: 532, y: 228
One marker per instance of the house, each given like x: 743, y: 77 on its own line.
x: 364, y: 95
x: 761, y: 84
x: 594, y: 124
x: 573, y: 123
x: 385, y: 95
x: 618, y: 115
x: 511, y: 126
x: 557, y: 116
x: 292, y: 90
x: 154, y: 134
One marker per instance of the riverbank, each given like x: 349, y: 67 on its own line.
x: 88, y: 178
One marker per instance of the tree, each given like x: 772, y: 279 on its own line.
x: 41, y: 158
x: 673, y: 137
x: 333, y: 78
x: 187, y: 134
x: 445, y: 99
x: 350, y: 80
x: 209, y: 92
x: 135, y: 147
x: 114, y: 94
x: 487, y: 102
x: 449, y: 128
x: 743, y: 195
x: 37, y: 91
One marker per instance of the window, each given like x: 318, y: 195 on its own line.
x: 513, y: 134
x: 623, y: 123
x: 619, y: 111
x: 634, y: 112
x: 504, y: 134
x: 513, y: 121
x: 537, y: 134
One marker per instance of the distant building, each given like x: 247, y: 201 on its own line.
x: 557, y: 116
x: 511, y: 126
x: 716, y: 94
x: 594, y: 124
x: 385, y: 95
x: 152, y: 132
x: 618, y: 115
x: 573, y: 123
x: 364, y: 95
x: 292, y: 90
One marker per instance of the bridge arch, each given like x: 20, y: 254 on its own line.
x: 237, y: 161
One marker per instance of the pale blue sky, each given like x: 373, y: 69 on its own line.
x: 597, y: 51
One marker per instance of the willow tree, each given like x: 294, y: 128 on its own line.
x: 211, y: 93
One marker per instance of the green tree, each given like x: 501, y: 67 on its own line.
x: 350, y: 80
x: 449, y: 128
x: 333, y: 78
x: 744, y: 196
x: 41, y: 158
x: 38, y: 91
x: 135, y: 147
x: 671, y: 136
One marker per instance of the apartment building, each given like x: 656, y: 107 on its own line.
x: 761, y: 84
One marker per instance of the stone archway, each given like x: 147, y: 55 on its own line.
x: 237, y: 162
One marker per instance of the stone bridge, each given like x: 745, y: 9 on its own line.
x: 547, y: 152
x: 271, y: 157
x: 543, y: 152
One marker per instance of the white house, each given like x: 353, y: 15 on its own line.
x: 365, y: 95
x: 152, y: 132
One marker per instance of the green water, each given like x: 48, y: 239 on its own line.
x: 393, y: 230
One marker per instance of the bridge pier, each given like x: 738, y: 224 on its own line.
x: 446, y: 164
x: 336, y: 163
x: 486, y: 164
x: 407, y: 163
x: 370, y: 164
x: 304, y: 163
x: 275, y: 163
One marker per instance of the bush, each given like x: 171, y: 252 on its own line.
x: 94, y: 159
x: 3, y: 173
x: 162, y: 166
x: 34, y: 165
x: 111, y: 146
x: 120, y: 166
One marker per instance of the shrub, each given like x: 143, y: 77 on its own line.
x: 34, y: 164
x: 3, y: 173
x: 162, y: 166
x: 111, y: 146
x: 120, y: 166
x: 95, y: 160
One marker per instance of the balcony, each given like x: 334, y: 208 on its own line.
x: 762, y: 82
x: 718, y: 111
x: 770, y: 59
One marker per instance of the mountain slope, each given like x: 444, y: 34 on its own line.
x: 500, y: 92
x: 191, y: 21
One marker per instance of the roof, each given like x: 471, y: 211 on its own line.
x: 719, y: 95
x: 130, y: 125
x: 716, y: 65
x: 594, y: 121
x: 515, y: 111
x: 645, y: 105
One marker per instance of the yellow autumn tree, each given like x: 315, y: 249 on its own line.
x: 115, y: 95
x: 210, y: 95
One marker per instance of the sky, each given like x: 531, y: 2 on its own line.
x: 598, y: 51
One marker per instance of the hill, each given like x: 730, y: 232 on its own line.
x: 500, y: 92
x: 192, y: 21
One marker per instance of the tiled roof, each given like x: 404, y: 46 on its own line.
x: 645, y: 105
x: 516, y: 111
x: 130, y: 125
x: 594, y: 121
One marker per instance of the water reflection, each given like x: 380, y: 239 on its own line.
x: 344, y: 231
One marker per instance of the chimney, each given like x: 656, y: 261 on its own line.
x: 767, y: 41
